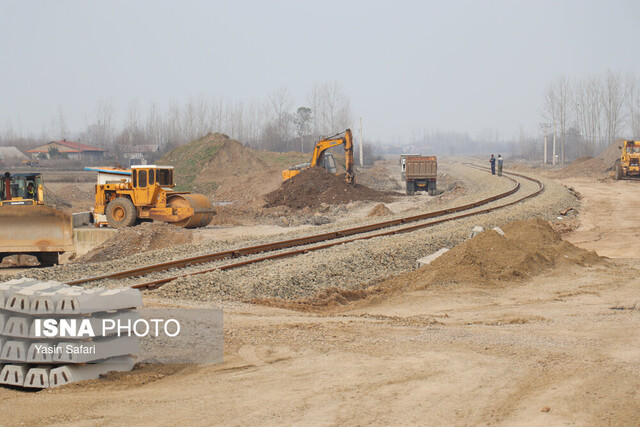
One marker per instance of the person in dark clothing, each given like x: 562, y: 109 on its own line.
x: 492, y: 160
x: 31, y: 192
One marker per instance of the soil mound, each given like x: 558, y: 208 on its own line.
x: 584, y: 166
x: 380, y: 210
x: 223, y: 168
x: 132, y: 240
x: 594, y: 166
x: 611, y: 154
x: 527, y: 249
x: 315, y: 186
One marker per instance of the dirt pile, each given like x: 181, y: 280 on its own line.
x: 593, y: 166
x: 132, y: 240
x: 611, y: 154
x: 584, y: 166
x: 315, y: 186
x: 527, y: 249
x: 380, y: 178
x: 222, y: 168
x: 380, y: 210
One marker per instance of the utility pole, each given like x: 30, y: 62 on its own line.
x: 554, y: 143
x: 562, y: 148
x: 544, y: 130
x: 361, y: 145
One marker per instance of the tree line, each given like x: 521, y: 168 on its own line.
x: 274, y: 124
x: 591, y: 112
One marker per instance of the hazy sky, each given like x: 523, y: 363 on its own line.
x: 406, y: 65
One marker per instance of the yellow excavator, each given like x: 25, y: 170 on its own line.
x: 323, y: 159
x: 27, y: 225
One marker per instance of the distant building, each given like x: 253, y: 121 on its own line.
x: 73, y: 150
x: 139, y: 154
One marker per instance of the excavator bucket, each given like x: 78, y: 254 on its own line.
x: 34, y: 229
x: 201, y: 205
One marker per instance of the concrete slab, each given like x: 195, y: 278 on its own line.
x: 41, y: 352
x: 475, y: 231
x: 86, y: 239
x: 37, y: 377
x: 429, y: 258
x: 17, y: 326
x: 13, y: 374
x: 82, y: 218
x: 97, y: 300
x: 14, y: 351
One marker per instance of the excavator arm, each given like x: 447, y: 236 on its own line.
x: 323, y: 145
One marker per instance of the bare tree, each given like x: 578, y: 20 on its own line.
x: 59, y: 127
x: 633, y: 105
x: 302, y: 120
x: 614, y: 96
x: 101, y: 130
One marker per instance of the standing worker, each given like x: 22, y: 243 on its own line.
x: 500, y: 161
x: 492, y: 160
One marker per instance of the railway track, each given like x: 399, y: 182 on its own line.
x: 327, y: 240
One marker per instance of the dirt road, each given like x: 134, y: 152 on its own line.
x: 610, y: 217
x: 561, y: 348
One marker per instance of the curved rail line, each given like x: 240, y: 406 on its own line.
x: 285, y: 244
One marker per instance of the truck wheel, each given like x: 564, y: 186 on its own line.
x: 411, y: 188
x: 618, y: 170
x: 432, y: 188
x: 121, y: 213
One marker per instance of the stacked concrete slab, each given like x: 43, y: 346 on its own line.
x: 29, y: 360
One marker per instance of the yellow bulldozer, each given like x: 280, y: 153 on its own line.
x: 27, y: 225
x: 629, y: 163
x: 125, y: 197
x: 323, y: 159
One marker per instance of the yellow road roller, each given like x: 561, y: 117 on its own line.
x: 125, y: 197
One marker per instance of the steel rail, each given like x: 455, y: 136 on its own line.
x: 285, y: 244
x: 159, y: 282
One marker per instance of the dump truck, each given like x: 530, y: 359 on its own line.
x: 323, y: 159
x: 403, y: 164
x: 28, y: 227
x: 125, y: 197
x: 421, y: 173
x: 628, y: 164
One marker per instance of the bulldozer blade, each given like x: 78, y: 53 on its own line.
x: 34, y: 229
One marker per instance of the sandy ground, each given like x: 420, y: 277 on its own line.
x: 610, y: 218
x: 563, y: 348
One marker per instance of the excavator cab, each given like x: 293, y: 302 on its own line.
x: 329, y: 163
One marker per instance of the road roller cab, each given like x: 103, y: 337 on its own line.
x: 125, y: 197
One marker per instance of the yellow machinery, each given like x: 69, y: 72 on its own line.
x: 145, y: 192
x: 27, y: 225
x: 629, y: 163
x: 323, y: 159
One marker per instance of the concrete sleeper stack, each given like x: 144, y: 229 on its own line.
x: 35, y: 355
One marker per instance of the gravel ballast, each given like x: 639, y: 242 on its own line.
x: 353, y: 265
